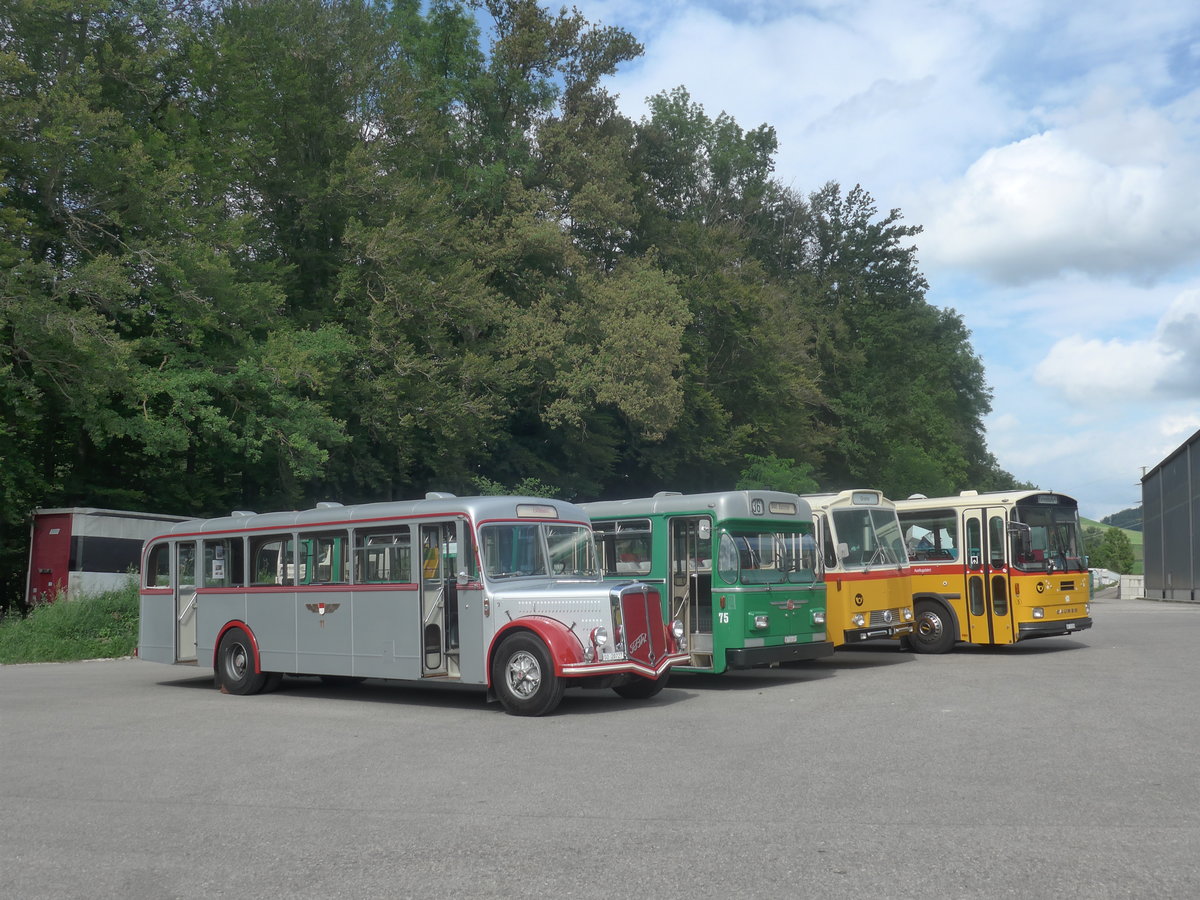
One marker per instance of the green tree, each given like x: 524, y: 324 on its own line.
x: 750, y: 380
x: 771, y: 473
x: 906, y: 391
x: 1115, y: 552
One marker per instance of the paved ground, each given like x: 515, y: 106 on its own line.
x: 1057, y: 768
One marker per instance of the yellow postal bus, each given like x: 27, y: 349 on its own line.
x: 995, y: 568
x: 868, y: 584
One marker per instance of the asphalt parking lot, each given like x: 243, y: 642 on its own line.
x: 1063, y: 767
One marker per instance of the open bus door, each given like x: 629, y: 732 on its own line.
x: 185, y: 601
x: 690, y: 565
x: 988, y: 594
x: 439, y: 600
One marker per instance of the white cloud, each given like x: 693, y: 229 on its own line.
x: 1110, y: 196
x: 1050, y: 150
x: 1096, y: 371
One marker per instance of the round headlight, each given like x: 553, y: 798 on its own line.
x: 859, y: 620
x: 908, y: 616
x: 677, y: 628
x: 599, y: 636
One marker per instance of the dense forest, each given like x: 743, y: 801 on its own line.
x: 258, y: 253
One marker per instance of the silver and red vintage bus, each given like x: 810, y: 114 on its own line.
x: 500, y: 592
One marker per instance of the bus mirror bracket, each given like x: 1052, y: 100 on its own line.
x: 1022, y: 533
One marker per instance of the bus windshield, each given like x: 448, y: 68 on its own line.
x: 872, y: 537
x: 1054, y: 542
x: 531, y: 548
x: 751, y: 557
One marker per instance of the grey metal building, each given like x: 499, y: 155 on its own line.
x: 1171, y: 529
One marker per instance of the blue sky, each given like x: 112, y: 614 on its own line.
x: 1051, y: 152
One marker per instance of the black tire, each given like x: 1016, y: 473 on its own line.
x: 523, y: 676
x: 235, y: 665
x: 934, y: 629
x: 642, y: 688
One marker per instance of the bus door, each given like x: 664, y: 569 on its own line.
x: 185, y: 601
x: 989, y: 610
x: 690, y: 565
x: 439, y: 600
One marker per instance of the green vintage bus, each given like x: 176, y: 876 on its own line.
x: 740, y: 569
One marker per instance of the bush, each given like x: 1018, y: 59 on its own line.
x: 100, y: 626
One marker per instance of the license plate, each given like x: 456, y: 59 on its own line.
x: 789, y: 638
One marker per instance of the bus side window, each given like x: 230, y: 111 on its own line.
x: 224, y: 563
x: 272, y: 561
x: 624, y: 547
x: 931, y: 535
x: 831, y: 559
x: 382, y: 557
x: 158, y: 566
x: 324, y: 559
x: 996, y: 542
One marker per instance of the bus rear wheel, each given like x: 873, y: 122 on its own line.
x: 933, y: 630
x: 642, y: 688
x: 235, y: 665
x: 523, y: 677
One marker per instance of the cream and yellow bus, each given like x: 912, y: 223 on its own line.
x: 995, y: 568
x: 868, y: 583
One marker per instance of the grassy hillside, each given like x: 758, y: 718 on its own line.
x: 1135, y: 538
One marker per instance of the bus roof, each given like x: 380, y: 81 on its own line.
x: 775, y: 505
x: 986, y: 498
x: 110, y: 514
x: 853, y: 497
x: 335, y: 514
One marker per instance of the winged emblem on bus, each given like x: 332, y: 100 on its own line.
x: 321, y: 608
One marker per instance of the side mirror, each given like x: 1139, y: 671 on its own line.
x: 843, y: 551
x: 462, y: 578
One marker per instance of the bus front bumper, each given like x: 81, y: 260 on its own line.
x: 1027, y: 630
x: 875, y: 632
x: 752, y: 657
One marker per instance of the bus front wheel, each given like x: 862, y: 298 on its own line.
x: 523, y: 677
x: 933, y: 630
x: 642, y: 688
x: 235, y: 665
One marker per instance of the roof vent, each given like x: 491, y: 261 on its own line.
x: 917, y: 497
x: 669, y: 494
x: 328, y: 504
x: 242, y: 513
x: 438, y: 495
x: 968, y: 493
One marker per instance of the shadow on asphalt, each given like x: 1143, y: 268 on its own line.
x: 303, y: 688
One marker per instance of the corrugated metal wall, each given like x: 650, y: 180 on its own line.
x: 1171, y: 516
